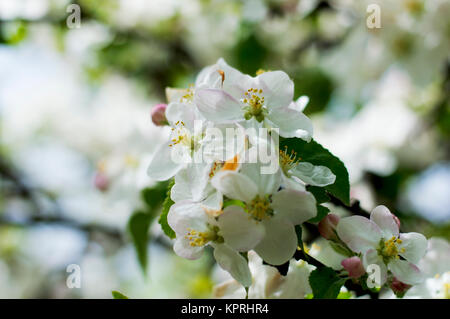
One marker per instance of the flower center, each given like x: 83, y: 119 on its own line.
x: 199, y: 239
x: 254, y: 101
x: 189, y: 96
x: 389, y: 249
x: 259, y: 208
x: 288, y: 160
x: 181, y: 135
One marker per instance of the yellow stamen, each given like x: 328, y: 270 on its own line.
x: 288, y: 160
x: 231, y: 164
x: 198, y: 239
x: 254, y: 99
x: 260, y: 71
x: 189, y: 96
x: 222, y: 74
x: 182, y: 135
x: 259, y: 208
x: 390, y: 249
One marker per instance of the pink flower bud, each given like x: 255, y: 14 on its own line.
x: 398, y: 287
x: 327, y: 226
x: 101, y: 181
x: 158, y: 114
x: 354, y: 266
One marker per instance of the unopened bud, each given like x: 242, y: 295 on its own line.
x: 354, y: 267
x: 398, y: 287
x: 327, y: 226
x: 159, y: 114
x: 101, y: 181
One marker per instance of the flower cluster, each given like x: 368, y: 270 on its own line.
x: 375, y: 245
x: 229, y: 199
x: 237, y: 190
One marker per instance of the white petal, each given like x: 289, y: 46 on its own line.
x: 231, y: 261
x: 181, y: 189
x: 297, y: 206
x: 235, y: 83
x: 183, y: 249
x: 314, y: 175
x: 296, y: 285
x: 240, y: 231
x: 375, y: 267
x: 213, y: 203
x: 278, y: 88
x: 415, y: 245
x: 359, y: 233
x: 291, y: 123
x: 406, y: 272
x: 162, y: 167
x: 175, y: 94
x: 217, y: 106
x: 280, y: 242
x: 209, y: 77
x: 229, y: 289
x: 301, y: 103
x: 385, y: 220
x: 235, y: 185
x: 177, y: 112
x: 266, y: 183
x: 187, y: 215
x: 222, y: 144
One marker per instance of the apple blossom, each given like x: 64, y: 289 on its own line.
x: 266, y: 98
x: 278, y: 211
x: 227, y: 234
x: 268, y: 283
x: 379, y: 242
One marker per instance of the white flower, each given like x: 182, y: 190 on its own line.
x: 192, y: 141
x: 228, y: 234
x: 436, y: 268
x: 380, y: 243
x: 266, y: 98
x: 268, y: 283
x: 277, y: 211
x: 293, y: 169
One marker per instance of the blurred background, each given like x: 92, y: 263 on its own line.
x: 77, y: 137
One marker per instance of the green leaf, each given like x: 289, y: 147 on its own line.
x: 340, y: 249
x: 319, y: 193
x: 168, y: 202
x: 118, y: 295
x: 325, y: 284
x: 345, y: 295
x: 233, y: 202
x: 316, y: 84
x: 316, y: 154
x: 138, y: 226
x: 322, y: 211
x: 154, y: 196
